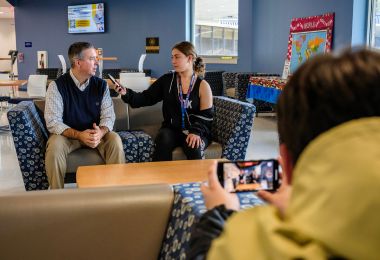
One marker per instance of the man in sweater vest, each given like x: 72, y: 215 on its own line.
x: 79, y: 113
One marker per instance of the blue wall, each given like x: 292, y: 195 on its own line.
x: 263, y: 31
x: 128, y: 23
x: 271, y: 25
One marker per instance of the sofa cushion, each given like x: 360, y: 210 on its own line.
x: 214, y: 150
x: 147, y: 119
x: 121, y: 115
x: 83, y: 157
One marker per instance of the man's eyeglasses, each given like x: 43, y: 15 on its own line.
x: 91, y: 58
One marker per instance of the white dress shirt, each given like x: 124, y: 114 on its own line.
x: 54, y: 108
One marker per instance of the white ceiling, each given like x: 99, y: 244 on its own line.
x: 6, y: 10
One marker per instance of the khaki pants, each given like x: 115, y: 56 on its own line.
x: 59, y: 146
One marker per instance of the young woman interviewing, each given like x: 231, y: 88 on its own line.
x: 186, y: 105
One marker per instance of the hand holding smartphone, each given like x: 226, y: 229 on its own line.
x: 249, y: 175
x: 118, y: 87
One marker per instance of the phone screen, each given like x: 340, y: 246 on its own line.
x: 249, y: 175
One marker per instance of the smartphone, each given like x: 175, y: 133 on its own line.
x: 241, y: 176
x: 114, y: 81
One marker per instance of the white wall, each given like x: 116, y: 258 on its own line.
x: 7, y: 42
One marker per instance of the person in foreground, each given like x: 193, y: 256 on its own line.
x: 79, y: 113
x: 187, y: 105
x: 328, y: 205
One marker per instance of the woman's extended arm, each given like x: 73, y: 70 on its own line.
x: 148, y: 97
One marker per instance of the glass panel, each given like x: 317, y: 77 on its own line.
x: 206, y: 41
x: 218, y: 41
x: 229, y: 42
x: 216, y: 27
x: 376, y: 24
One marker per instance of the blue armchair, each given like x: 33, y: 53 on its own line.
x: 30, y: 136
x: 232, y: 126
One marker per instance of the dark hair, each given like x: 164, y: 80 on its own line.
x: 76, y: 49
x: 327, y: 91
x: 188, y: 49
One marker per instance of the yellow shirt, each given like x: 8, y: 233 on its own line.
x: 334, y: 209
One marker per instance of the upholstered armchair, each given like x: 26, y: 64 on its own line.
x: 30, y: 135
x: 231, y: 129
x: 214, y: 78
x: 232, y: 126
x: 229, y: 79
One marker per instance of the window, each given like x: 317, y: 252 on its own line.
x: 215, y: 29
x: 374, y: 21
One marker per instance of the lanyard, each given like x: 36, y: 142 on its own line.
x: 184, y: 103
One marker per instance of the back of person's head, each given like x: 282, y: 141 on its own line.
x: 76, y: 51
x: 326, y: 91
x: 188, y: 49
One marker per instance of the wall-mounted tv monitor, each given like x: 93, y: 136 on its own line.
x: 86, y: 18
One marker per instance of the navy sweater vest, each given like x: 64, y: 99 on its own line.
x: 81, y: 108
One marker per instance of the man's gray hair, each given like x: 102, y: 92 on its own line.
x: 76, y: 51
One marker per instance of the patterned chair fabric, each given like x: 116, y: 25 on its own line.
x: 228, y: 81
x: 241, y: 84
x: 187, y: 209
x: 30, y: 136
x: 214, y: 78
x: 140, y: 146
x: 145, y: 146
x: 232, y: 126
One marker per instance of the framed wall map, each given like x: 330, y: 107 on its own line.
x: 308, y: 36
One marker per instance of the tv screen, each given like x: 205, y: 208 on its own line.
x: 86, y: 18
